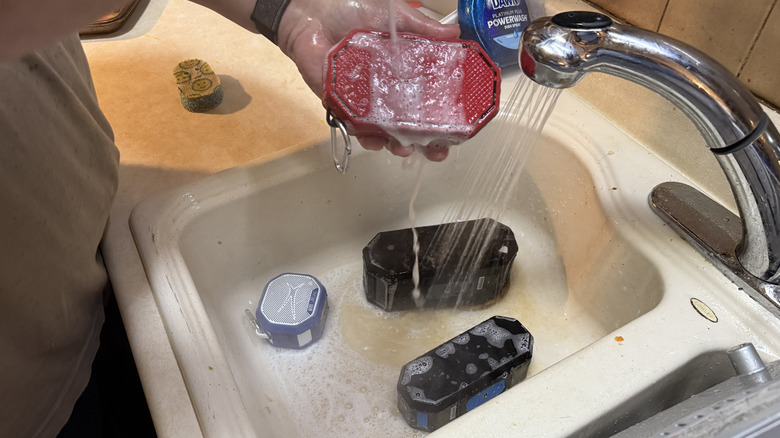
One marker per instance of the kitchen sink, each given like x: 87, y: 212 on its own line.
x: 616, y: 302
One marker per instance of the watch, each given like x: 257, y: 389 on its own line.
x: 267, y: 15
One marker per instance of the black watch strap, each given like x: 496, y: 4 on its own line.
x: 267, y: 15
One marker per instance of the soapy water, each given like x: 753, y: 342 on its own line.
x: 410, y: 84
x: 345, y: 383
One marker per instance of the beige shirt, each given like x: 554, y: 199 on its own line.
x: 58, y: 176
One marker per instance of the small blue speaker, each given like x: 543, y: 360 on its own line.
x: 293, y: 310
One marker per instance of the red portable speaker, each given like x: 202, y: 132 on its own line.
x: 419, y: 90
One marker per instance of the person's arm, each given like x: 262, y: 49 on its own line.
x: 26, y: 25
x: 308, y: 29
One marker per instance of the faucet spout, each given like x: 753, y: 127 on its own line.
x: 558, y: 51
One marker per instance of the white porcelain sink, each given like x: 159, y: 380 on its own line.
x: 601, y: 283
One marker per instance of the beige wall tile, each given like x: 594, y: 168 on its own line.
x: 762, y: 70
x: 724, y: 29
x: 646, y: 14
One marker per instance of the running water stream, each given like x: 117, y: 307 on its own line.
x: 415, y: 160
x: 489, y: 183
x: 420, y: 163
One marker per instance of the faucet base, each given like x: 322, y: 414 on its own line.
x: 715, y: 232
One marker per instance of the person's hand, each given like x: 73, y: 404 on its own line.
x: 310, y: 28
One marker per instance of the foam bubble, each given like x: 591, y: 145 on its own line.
x: 421, y: 365
x: 462, y: 339
x: 417, y: 393
x: 495, y: 335
x: 419, y: 88
x: 445, y: 350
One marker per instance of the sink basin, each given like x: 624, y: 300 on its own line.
x: 601, y: 283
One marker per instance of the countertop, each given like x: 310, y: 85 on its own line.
x: 267, y: 111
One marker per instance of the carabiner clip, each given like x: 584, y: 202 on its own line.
x: 336, y: 124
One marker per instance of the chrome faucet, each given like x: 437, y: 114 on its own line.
x: 558, y: 51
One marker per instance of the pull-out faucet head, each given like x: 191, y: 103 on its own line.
x: 556, y: 50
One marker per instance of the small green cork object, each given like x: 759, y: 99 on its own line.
x: 199, y: 87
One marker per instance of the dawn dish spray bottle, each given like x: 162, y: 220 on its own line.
x: 496, y: 25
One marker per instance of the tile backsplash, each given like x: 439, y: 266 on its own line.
x: 738, y: 34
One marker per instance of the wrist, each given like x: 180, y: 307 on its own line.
x: 267, y: 15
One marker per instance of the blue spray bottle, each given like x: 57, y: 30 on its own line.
x: 496, y: 25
